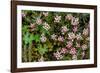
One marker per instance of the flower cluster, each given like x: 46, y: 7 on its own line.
x: 50, y: 36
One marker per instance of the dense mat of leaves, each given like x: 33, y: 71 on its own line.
x: 52, y: 36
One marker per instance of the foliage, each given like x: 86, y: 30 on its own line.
x: 50, y: 36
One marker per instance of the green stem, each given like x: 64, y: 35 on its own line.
x: 29, y: 53
x: 25, y: 54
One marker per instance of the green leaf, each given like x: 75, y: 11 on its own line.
x: 67, y: 57
x: 25, y: 28
x: 36, y: 38
x: 31, y: 38
x: 49, y: 18
x: 79, y: 53
x: 39, y: 27
x: 26, y: 38
x: 49, y: 44
x: 42, y: 49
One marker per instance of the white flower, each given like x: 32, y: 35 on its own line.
x: 57, y: 18
x: 41, y: 59
x: 45, y: 13
x: 85, y: 31
x: 64, y: 29
x: 61, y: 39
x: 78, y: 36
x: 43, y: 38
x: 83, y: 54
x: 71, y: 35
x: 54, y: 37
x: 84, y: 47
x: 32, y: 26
x: 73, y: 51
x: 77, y: 44
x: 75, y: 28
x: 75, y: 21
x: 87, y: 38
x: 63, y: 50
x: 46, y: 26
x: 69, y: 16
x: 74, y: 57
x: 38, y: 21
x: 58, y: 55
x: 69, y: 44
x: 23, y: 14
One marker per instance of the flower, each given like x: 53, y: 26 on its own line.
x: 71, y: 35
x: 73, y: 51
x: 75, y: 21
x: 46, y: 26
x: 85, y: 31
x: 75, y: 29
x: 43, y: 38
x: 32, y: 26
x: 78, y: 36
x: 84, y: 47
x: 58, y: 55
x: 54, y: 37
x: 83, y: 54
x: 64, y: 29
x: 38, y: 21
x: 69, y: 16
x: 45, y: 14
x: 63, y: 50
x: 57, y: 18
x: 74, y: 57
x: 77, y: 44
x: 23, y: 14
x: 87, y: 38
x: 69, y: 44
x: 60, y: 38
x: 41, y: 59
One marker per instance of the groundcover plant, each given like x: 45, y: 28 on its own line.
x: 55, y: 36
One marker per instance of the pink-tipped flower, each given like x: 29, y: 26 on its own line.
x: 41, y: 59
x: 85, y: 31
x: 43, y: 38
x: 63, y: 50
x: 75, y: 21
x: 79, y: 36
x: 69, y: 16
x: 71, y: 35
x: 57, y: 18
x: 83, y: 54
x: 75, y: 29
x: 46, y: 26
x: 54, y: 36
x: 58, y: 55
x: 38, y: 21
x: 84, y: 47
x: 69, y: 44
x: 88, y: 38
x: 73, y: 51
x: 77, y: 45
x: 23, y: 14
x: 32, y: 26
x: 45, y: 14
x: 61, y: 39
x: 64, y: 29
x: 74, y: 57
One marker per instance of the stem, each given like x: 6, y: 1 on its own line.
x: 25, y: 55
x: 29, y: 53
